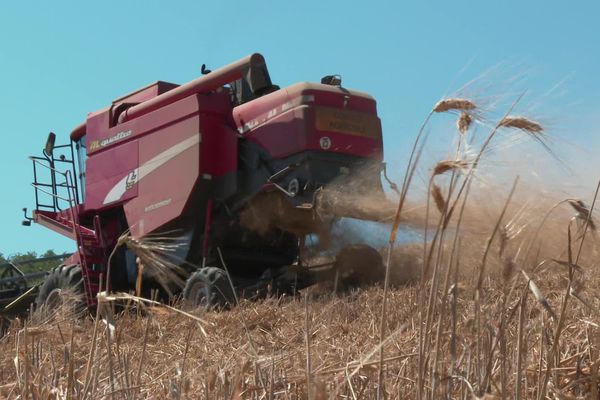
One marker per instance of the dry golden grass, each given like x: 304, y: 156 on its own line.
x: 259, y: 350
x: 49, y: 360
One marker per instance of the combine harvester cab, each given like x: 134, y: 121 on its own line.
x: 222, y: 173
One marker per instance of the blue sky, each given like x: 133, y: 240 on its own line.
x: 60, y: 60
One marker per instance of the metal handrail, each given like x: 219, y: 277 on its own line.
x: 49, y: 193
x: 69, y: 185
x: 36, y: 161
x: 71, y: 198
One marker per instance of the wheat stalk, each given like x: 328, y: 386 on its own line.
x: 521, y: 123
x: 449, y: 165
x: 583, y: 213
x: 463, y: 122
x: 415, y: 155
x: 453, y: 104
x: 157, y: 256
x: 539, y: 296
x: 563, y: 310
x: 438, y: 197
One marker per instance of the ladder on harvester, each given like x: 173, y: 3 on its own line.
x: 63, y: 211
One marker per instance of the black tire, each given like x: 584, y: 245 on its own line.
x: 209, y: 288
x: 358, y: 265
x: 62, y: 279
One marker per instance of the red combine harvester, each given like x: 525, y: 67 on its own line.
x: 228, y: 165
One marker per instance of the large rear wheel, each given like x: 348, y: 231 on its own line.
x: 63, y: 285
x: 209, y: 288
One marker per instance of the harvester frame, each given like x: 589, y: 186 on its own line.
x: 206, y: 163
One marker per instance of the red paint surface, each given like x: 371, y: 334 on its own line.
x: 284, y: 131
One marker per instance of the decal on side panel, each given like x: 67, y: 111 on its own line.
x: 135, y: 176
x: 97, y: 144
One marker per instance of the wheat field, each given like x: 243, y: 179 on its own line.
x: 494, y: 298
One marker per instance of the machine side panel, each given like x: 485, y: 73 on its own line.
x: 322, y: 129
x: 101, y: 138
x: 113, y: 154
x: 108, y: 176
x: 313, y: 117
x: 169, y: 168
x: 219, y: 146
x: 343, y: 131
x: 284, y: 135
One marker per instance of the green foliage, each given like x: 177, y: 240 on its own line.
x: 19, y: 258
